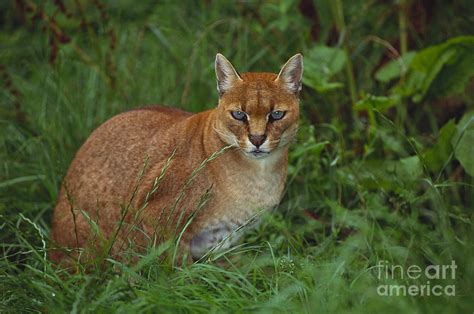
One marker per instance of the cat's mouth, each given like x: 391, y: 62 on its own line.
x: 258, y: 153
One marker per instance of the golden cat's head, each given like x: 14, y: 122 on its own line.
x: 258, y: 112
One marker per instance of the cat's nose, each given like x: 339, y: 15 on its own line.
x: 257, y: 140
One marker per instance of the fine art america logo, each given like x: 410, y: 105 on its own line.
x: 434, y: 274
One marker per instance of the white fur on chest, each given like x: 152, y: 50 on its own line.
x: 249, y: 192
x: 237, y: 215
x: 260, y: 191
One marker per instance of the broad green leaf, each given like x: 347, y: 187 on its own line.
x: 394, y: 68
x: 321, y: 64
x: 430, y: 62
x: 463, y: 142
x: 439, y: 70
x: 392, y: 143
x: 320, y: 85
x: 465, y: 151
x: 380, y: 103
x: 436, y: 156
x: 409, y: 167
x: 466, y: 123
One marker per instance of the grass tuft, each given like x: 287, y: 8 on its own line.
x: 362, y: 188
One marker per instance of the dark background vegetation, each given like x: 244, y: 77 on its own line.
x: 382, y: 168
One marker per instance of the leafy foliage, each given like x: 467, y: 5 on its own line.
x: 437, y: 156
x: 385, y: 176
x: 381, y: 103
x: 394, y: 69
x: 321, y: 64
x: 440, y: 70
x: 463, y: 142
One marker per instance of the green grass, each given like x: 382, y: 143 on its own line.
x: 357, y: 194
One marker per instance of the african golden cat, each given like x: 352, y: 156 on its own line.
x: 250, y: 129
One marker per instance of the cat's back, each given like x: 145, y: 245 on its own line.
x: 113, y: 155
x: 130, y: 131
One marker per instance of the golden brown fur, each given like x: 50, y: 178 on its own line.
x: 103, y: 183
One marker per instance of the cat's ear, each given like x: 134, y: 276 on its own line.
x: 291, y: 73
x: 226, y: 74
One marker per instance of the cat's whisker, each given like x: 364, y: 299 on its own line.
x: 230, y: 138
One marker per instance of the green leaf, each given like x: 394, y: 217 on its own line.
x: 463, y: 142
x: 439, y: 70
x: 466, y: 123
x: 321, y: 64
x: 392, y: 143
x: 465, y: 151
x: 394, y: 68
x: 380, y: 103
x: 409, y: 167
x: 436, y: 156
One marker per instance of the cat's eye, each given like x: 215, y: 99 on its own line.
x: 239, y: 115
x: 276, y: 115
